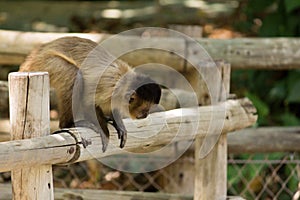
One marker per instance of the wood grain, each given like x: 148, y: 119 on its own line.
x: 29, y: 118
x: 157, y: 130
x: 243, y: 53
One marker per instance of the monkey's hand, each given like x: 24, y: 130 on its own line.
x: 122, y: 133
x: 97, y: 129
x: 117, y: 122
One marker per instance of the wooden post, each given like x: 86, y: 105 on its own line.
x: 29, y: 117
x: 211, y: 171
x: 205, y: 177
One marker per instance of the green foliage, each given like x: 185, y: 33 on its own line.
x: 275, y: 94
x: 262, y: 108
x: 291, y: 5
x: 294, y: 94
x: 276, y: 17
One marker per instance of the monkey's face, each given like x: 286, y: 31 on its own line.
x: 138, y: 107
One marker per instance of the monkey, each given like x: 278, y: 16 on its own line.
x: 120, y: 92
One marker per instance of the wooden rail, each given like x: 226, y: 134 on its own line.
x: 66, y: 146
x: 283, y: 139
x: 245, y: 53
x: 123, y: 13
x: 265, y: 140
x: 271, y: 139
x: 91, y: 194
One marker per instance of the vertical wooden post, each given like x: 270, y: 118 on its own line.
x: 211, y: 171
x: 29, y: 117
x: 205, y: 177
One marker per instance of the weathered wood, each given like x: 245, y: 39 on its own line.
x: 265, y: 140
x: 29, y: 118
x: 63, y: 147
x: 271, y: 139
x: 256, y: 53
x: 5, y: 128
x: 59, y: 148
x: 21, y: 43
x: 182, y: 172
x: 211, y: 151
x: 211, y: 171
x: 66, y: 15
x: 163, y: 126
x: 60, y: 193
x: 206, y: 85
x: 4, y: 99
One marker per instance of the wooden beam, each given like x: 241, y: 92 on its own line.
x: 29, y: 117
x: 271, y: 139
x: 265, y: 140
x: 66, y: 15
x: 243, y: 53
x: 5, y: 128
x: 91, y: 194
x: 67, y: 146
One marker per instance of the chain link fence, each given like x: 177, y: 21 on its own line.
x: 252, y: 176
x: 264, y: 176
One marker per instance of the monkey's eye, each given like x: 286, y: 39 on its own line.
x: 131, y: 99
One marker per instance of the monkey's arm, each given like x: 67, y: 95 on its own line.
x: 119, y: 126
x: 83, y: 115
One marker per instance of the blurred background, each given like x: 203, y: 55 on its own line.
x: 275, y: 93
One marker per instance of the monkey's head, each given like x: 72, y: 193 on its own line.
x: 142, y: 98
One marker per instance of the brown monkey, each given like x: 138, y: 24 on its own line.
x: 64, y: 58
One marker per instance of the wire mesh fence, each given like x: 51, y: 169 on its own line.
x: 264, y: 176
x: 252, y: 176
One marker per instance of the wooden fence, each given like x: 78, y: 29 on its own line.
x: 32, y: 151
x: 66, y: 146
x: 243, y: 53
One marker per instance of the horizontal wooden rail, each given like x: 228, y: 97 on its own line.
x: 66, y: 146
x: 256, y: 53
x: 91, y: 194
x: 271, y: 139
x: 264, y: 140
x: 123, y: 13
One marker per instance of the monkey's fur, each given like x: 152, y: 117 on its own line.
x: 63, y: 60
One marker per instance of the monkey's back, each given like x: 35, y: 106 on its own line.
x: 61, y: 58
x: 55, y: 57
